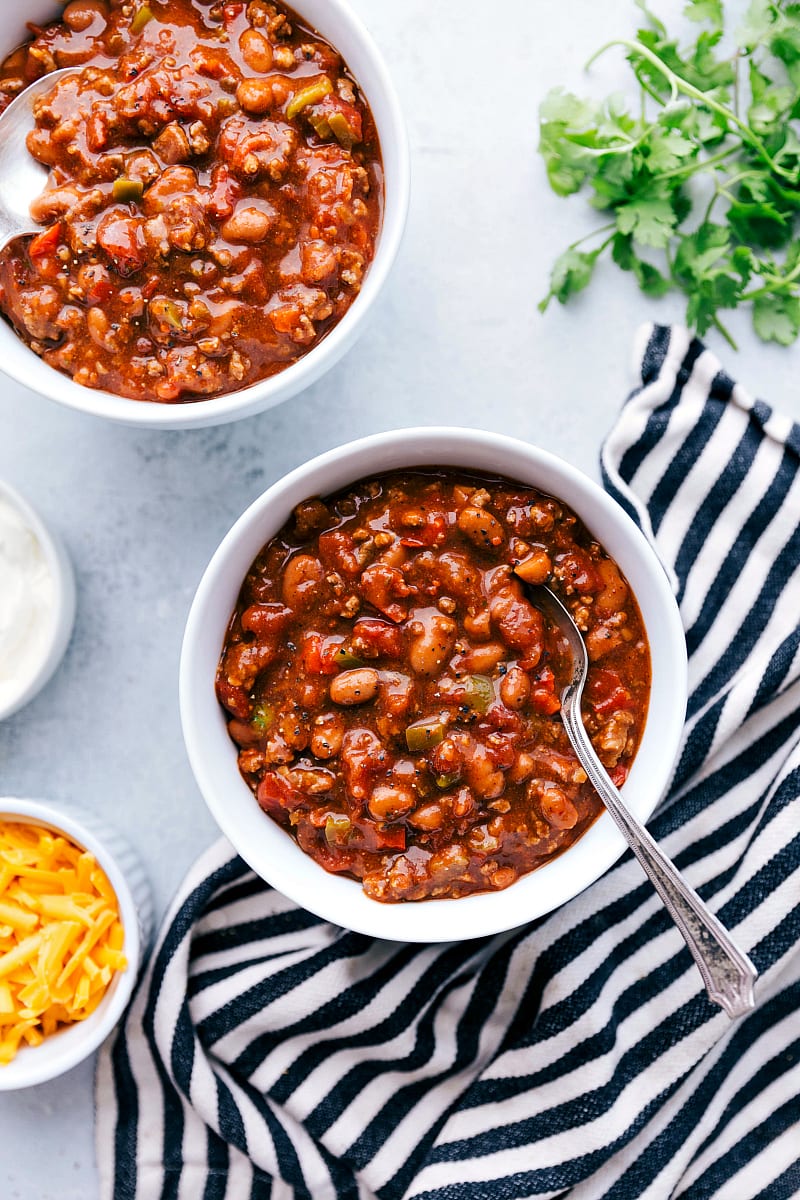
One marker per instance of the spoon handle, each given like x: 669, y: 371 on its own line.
x: 727, y: 972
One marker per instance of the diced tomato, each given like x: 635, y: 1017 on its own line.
x: 225, y: 192
x: 123, y: 241
x: 45, y: 243
x: 235, y: 699
x: 336, y: 548
x: 606, y: 692
x: 432, y: 533
x: 385, y: 640
x: 619, y: 774
x: 543, y: 693
x: 382, y: 587
x: 383, y: 837
x: 231, y: 11
x: 277, y: 796
x: 579, y: 572
x: 265, y: 620
x: 100, y: 292
x: 318, y: 654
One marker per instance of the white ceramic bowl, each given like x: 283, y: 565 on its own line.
x: 62, y: 616
x: 339, y: 25
x: 64, y: 1050
x: 266, y: 847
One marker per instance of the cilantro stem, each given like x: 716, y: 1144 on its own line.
x: 775, y: 283
x: 736, y: 90
x: 678, y: 84
x: 627, y: 147
x: 643, y: 83
x: 700, y: 164
x: 710, y: 206
x: 718, y: 325
x: 594, y: 233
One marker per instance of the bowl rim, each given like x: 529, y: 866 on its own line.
x: 436, y: 920
x: 65, y: 1049
x: 32, y: 372
x: 62, y: 617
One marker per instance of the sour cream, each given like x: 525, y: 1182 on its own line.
x: 27, y: 598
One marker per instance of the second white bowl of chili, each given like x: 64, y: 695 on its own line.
x: 195, y: 251
x: 455, y: 686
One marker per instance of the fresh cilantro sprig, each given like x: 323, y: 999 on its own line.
x: 701, y: 186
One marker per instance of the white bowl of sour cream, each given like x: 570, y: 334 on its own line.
x: 37, y: 601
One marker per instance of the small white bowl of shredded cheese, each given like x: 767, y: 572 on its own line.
x: 37, y: 601
x: 75, y: 922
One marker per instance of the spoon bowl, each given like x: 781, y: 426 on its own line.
x: 727, y: 972
x: 22, y: 178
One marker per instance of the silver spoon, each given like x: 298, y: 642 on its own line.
x: 727, y: 972
x: 22, y: 178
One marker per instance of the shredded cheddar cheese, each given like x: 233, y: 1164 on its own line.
x: 60, y: 935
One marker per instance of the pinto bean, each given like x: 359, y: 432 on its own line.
x: 250, y: 224
x: 327, y: 735
x: 480, y: 527
x: 483, y: 776
x: 302, y: 577
x: 535, y: 568
x: 520, y: 625
x: 318, y: 260
x: 80, y: 14
x: 244, y: 734
x: 515, y: 688
x: 256, y: 51
x: 556, y: 806
x: 482, y: 660
x: 293, y: 730
x: 100, y: 331
x: 431, y: 648
x: 358, y: 686
x: 255, y: 96
x: 388, y: 801
x: 427, y: 817
x: 615, y: 590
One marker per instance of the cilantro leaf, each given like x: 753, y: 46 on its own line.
x: 650, y: 218
x: 706, y: 10
x: 639, y: 166
x: 649, y: 278
x: 667, y: 150
x: 777, y: 318
x: 571, y: 273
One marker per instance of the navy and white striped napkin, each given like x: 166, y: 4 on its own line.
x: 271, y: 1056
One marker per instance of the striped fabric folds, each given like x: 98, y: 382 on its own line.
x: 270, y: 1056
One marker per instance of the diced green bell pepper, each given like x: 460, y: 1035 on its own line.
x: 143, y: 16
x: 478, y: 692
x: 337, y: 827
x: 443, y: 782
x: 263, y: 716
x: 425, y: 733
x: 346, y: 659
x: 127, y: 190
x: 312, y: 93
x: 340, y: 128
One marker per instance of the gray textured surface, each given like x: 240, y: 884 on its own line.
x: 456, y: 339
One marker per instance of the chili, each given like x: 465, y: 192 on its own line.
x: 412, y: 736
x: 214, y: 201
